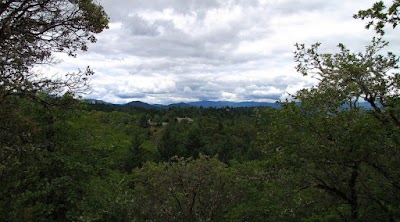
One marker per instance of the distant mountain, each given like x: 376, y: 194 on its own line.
x: 204, y: 104
x: 137, y: 104
x: 221, y: 104
x: 159, y: 106
x: 180, y: 105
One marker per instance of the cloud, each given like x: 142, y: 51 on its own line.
x: 164, y: 51
x: 137, y: 26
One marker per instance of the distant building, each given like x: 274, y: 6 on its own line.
x: 151, y: 123
x: 184, y: 120
x: 156, y: 123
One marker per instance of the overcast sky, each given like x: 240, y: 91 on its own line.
x: 167, y: 51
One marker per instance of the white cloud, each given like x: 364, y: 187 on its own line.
x: 163, y: 51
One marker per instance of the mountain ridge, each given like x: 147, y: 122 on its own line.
x: 204, y: 104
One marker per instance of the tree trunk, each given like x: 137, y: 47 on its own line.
x: 353, y: 192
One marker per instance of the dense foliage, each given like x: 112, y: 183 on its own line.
x: 323, y: 158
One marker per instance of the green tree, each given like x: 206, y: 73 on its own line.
x: 172, y: 141
x: 183, y: 190
x: 94, y: 156
x: 334, y: 162
x: 345, y: 78
x: 340, y: 157
x: 31, y: 31
x: 263, y: 192
x: 380, y: 15
x: 334, y: 149
x: 37, y: 175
